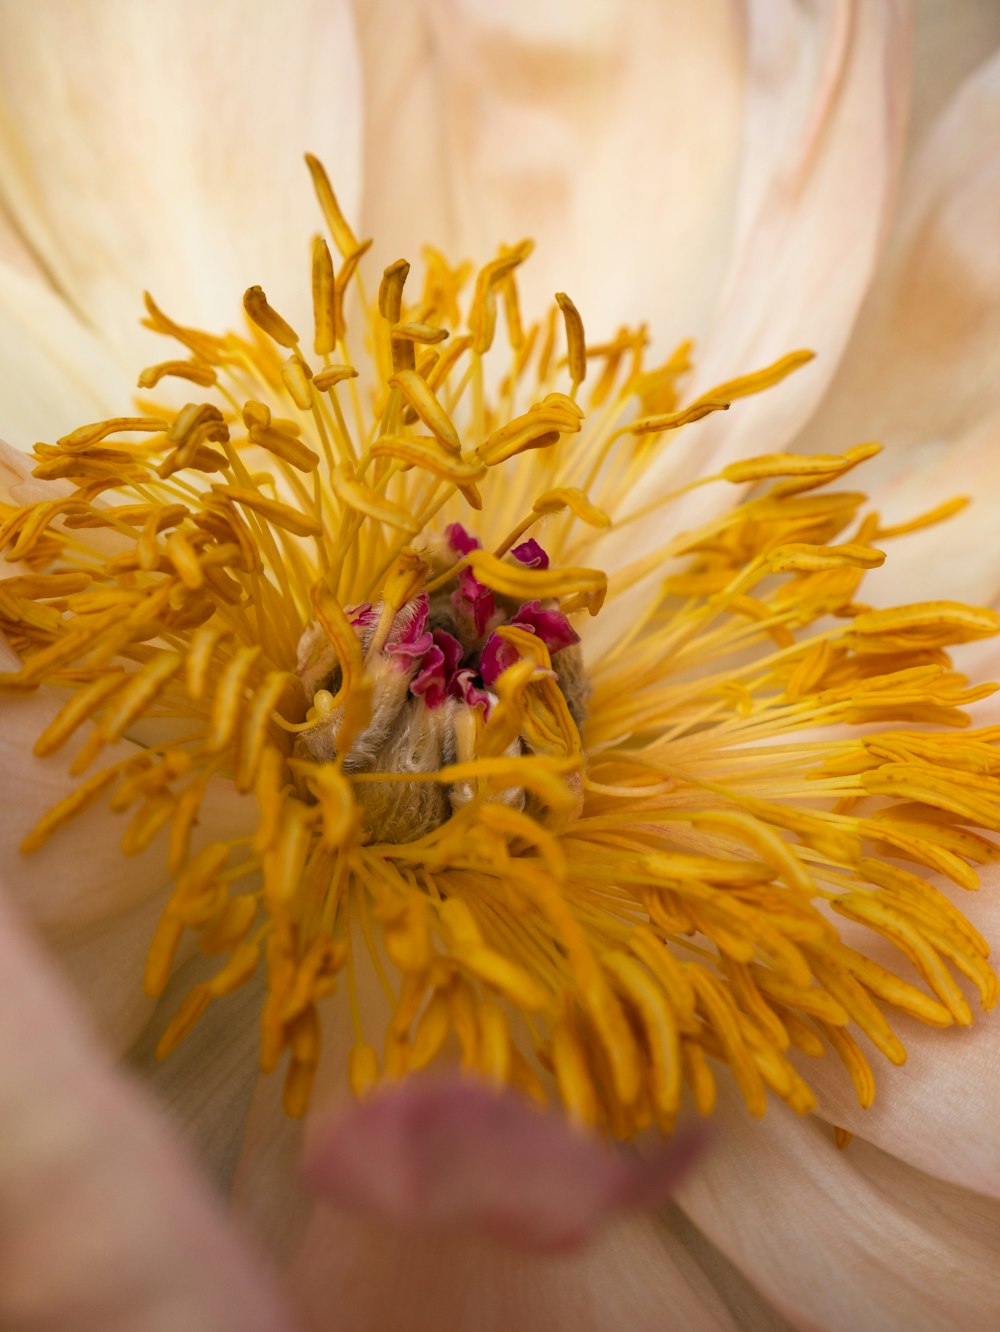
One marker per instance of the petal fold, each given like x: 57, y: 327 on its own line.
x: 841, y: 1239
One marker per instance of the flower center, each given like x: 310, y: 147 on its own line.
x: 432, y: 663
x: 347, y: 599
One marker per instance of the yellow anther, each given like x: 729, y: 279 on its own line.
x: 229, y: 697
x: 340, y: 232
x: 254, y: 735
x: 428, y: 452
x: 324, y: 299
x: 516, y: 580
x: 759, y: 380
x: 138, y: 693
x: 420, y: 397
x: 76, y: 711
x: 194, y: 371
x: 575, y: 342
x: 284, y: 446
x: 341, y: 816
x: 184, y: 558
x: 934, y: 622
x: 79, y: 799
x: 539, y: 428
x: 825, y: 465
x: 576, y: 1084
x: 267, y: 319
x: 574, y: 499
x: 297, y: 378
x: 390, y: 292
x: 802, y: 558
x: 482, y: 318
x: 332, y: 375
x: 85, y: 437
x: 364, y: 499
x: 208, y: 348
x: 281, y: 515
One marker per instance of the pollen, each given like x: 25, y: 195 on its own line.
x: 361, y: 596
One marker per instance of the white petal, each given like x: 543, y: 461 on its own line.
x: 610, y: 134
x: 852, y: 1239
x: 160, y: 146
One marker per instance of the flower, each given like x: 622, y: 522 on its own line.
x: 393, y: 638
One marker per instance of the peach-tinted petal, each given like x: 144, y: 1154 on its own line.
x: 104, y: 963
x: 357, y: 1275
x: 921, y: 369
x: 844, y: 1239
x: 103, y: 1224
x: 950, y: 42
x: 456, y: 1155
x: 79, y: 875
x: 206, y: 1085
x: 587, y: 127
x: 160, y: 146
x: 824, y: 121
x: 940, y: 1110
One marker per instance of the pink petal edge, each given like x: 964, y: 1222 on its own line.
x: 453, y: 1153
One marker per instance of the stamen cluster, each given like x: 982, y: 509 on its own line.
x: 594, y: 874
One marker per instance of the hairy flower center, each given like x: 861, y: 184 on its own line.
x: 432, y: 663
x: 346, y: 601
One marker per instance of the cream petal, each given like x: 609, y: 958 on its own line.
x: 18, y: 486
x: 586, y: 127
x: 164, y: 149
x: 56, y: 372
x: 844, y: 1239
x: 82, y: 1161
